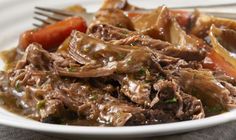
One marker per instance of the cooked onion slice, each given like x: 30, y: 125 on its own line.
x: 217, y: 41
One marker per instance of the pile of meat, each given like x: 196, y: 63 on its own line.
x: 119, y: 75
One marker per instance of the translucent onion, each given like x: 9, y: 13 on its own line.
x: 217, y: 39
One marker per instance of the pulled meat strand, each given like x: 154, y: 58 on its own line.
x: 122, y: 72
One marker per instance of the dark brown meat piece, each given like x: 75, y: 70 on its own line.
x: 188, y: 55
x: 94, y: 105
x: 119, y: 36
x: 53, y: 97
x: 192, y: 108
x: 108, y: 110
x: 150, y: 116
x: 164, y: 47
x: 121, y: 73
x: 51, y: 103
x: 203, y: 85
x: 52, y: 111
x: 103, y: 59
x: 37, y: 56
x: 221, y: 76
x: 118, y: 4
x: 113, y: 17
x: 169, y: 66
x: 142, y: 40
x: 170, y: 98
x: 107, y: 32
x: 232, y: 91
x: 155, y: 24
x: 138, y: 91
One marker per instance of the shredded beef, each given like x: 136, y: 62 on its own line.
x: 46, y: 95
x: 123, y: 71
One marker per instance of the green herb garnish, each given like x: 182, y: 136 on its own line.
x: 160, y: 77
x: 135, y: 43
x: 173, y: 100
x: 40, y: 104
x: 129, y: 62
x: 125, y: 32
x: 93, y: 97
x: 142, y: 71
x: 121, y: 56
x: 72, y: 69
x: 17, y: 86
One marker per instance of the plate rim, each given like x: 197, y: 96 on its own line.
x: 6, y: 118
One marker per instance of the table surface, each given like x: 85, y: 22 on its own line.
x: 222, y: 132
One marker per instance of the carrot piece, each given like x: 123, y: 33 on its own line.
x: 53, y: 35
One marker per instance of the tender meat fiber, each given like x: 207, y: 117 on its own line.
x: 142, y: 40
x: 107, y: 32
x: 113, y: 17
x: 118, y: 4
x: 232, y: 91
x: 221, y: 76
x: 53, y: 102
x: 137, y: 90
x: 188, y: 55
x: 156, y: 24
x: 127, y: 69
x: 41, y: 85
x: 118, y: 36
x: 170, y: 98
x: 164, y: 47
x: 103, y: 59
x: 151, y: 117
x: 35, y: 55
x: 204, y: 86
x: 192, y: 108
x: 50, y: 98
x: 93, y: 104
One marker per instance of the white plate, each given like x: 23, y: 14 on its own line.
x: 16, y: 16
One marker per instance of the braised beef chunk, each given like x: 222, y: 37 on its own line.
x: 188, y: 55
x: 119, y: 36
x: 104, y: 59
x: 137, y: 90
x: 113, y: 17
x: 156, y: 24
x: 107, y: 32
x: 142, y: 40
x: 118, y: 4
x: 127, y: 69
x: 172, y: 99
x: 48, y: 96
